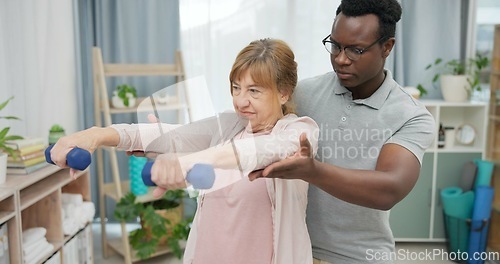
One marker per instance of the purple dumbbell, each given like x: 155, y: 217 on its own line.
x: 201, y: 176
x: 77, y: 158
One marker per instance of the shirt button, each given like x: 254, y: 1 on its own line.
x: 343, y: 119
x: 348, y: 106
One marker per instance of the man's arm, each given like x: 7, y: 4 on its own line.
x: 395, y: 174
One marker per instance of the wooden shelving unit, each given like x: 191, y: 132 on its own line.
x: 494, y: 142
x: 34, y: 200
x: 116, y: 188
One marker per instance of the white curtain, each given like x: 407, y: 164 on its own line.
x: 214, y: 31
x: 37, y: 65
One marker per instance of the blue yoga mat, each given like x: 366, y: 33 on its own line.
x: 457, y: 207
x: 480, y: 219
x: 484, y: 172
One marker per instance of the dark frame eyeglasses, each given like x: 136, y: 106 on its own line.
x: 351, y: 52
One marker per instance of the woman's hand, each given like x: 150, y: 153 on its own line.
x: 88, y: 139
x: 168, y: 173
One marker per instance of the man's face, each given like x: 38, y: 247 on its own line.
x: 358, y: 32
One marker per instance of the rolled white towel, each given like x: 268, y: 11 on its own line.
x: 33, y: 235
x: 70, y: 226
x: 72, y: 198
x: 70, y: 210
x: 46, y: 250
x: 36, y: 252
x: 30, y: 248
x: 88, y: 211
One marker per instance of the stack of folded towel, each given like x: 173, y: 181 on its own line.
x: 76, y: 213
x: 35, y: 245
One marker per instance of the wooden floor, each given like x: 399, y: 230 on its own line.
x: 407, y: 248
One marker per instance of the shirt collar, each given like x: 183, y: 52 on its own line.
x: 377, y: 99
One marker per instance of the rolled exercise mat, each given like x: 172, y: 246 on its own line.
x: 468, y: 176
x: 135, y: 165
x: 480, y: 221
x: 484, y: 172
x: 457, y: 207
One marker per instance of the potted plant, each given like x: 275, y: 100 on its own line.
x: 56, y: 132
x: 458, y: 79
x: 161, y: 222
x: 124, y: 96
x: 4, y: 148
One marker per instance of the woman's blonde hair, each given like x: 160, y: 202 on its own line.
x: 271, y: 63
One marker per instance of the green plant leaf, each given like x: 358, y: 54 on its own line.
x: 4, y: 132
x: 10, y: 117
x: 56, y: 128
x: 2, y: 105
x: 126, y: 209
x: 422, y: 90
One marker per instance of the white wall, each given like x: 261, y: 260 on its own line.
x: 37, y: 65
x: 214, y: 31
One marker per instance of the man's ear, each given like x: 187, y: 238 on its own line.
x: 388, y: 45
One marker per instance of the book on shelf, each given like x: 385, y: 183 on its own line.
x: 25, y: 163
x: 26, y: 156
x: 26, y: 142
x: 29, y: 149
x: 26, y: 170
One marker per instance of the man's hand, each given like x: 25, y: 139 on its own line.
x: 298, y: 166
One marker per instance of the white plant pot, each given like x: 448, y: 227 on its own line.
x: 454, y: 88
x: 118, y: 103
x: 3, y: 167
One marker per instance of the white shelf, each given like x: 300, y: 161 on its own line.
x: 441, y: 103
x: 418, y: 217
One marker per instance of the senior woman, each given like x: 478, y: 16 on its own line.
x: 237, y: 221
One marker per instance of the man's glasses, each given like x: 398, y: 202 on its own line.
x: 352, y: 53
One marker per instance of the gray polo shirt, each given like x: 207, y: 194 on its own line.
x: 352, y: 133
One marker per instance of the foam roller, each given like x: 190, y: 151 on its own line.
x: 201, y: 176
x: 77, y: 158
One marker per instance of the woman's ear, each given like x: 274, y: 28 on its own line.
x: 283, y: 98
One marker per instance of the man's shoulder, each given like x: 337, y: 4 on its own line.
x: 400, y: 98
x: 315, y: 81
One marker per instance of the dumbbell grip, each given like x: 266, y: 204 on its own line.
x: 201, y: 176
x: 77, y: 158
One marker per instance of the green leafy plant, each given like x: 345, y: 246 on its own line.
x: 56, y: 128
x: 4, y: 137
x: 155, y: 227
x: 471, y: 67
x: 123, y: 90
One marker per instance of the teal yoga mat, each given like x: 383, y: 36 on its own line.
x: 480, y: 221
x: 484, y: 172
x: 135, y: 165
x: 457, y: 207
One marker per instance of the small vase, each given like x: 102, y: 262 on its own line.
x: 455, y: 88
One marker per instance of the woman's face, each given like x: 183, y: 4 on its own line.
x: 257, y: 104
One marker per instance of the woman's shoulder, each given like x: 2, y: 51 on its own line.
x: 292, y: 124
x: 294, y: 119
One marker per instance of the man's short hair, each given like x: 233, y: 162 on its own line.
x: 387, y: 11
